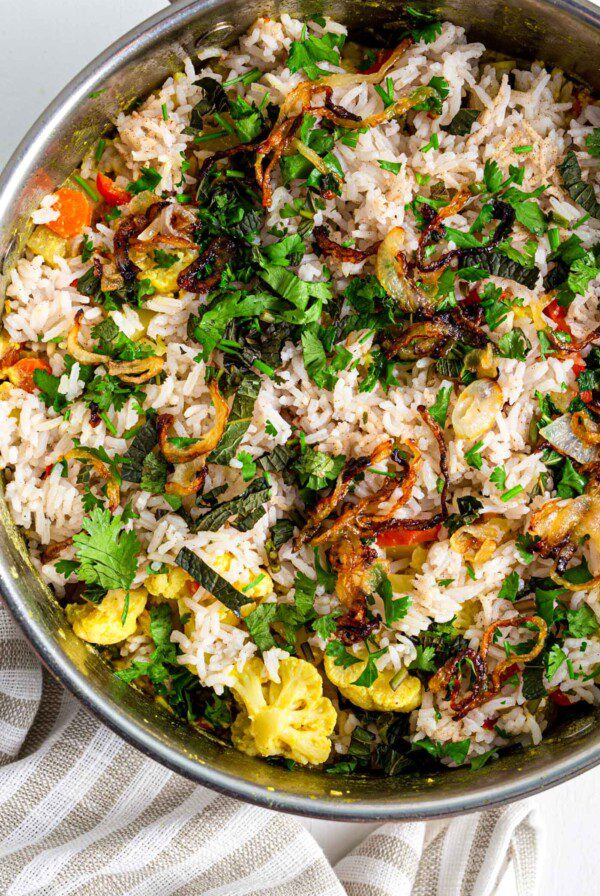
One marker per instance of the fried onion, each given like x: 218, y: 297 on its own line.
x: 218, y: 252
x: 84, y: 456
x: 329, y: 247
x: 201, y: 446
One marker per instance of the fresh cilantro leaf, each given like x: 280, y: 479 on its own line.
x: 592, y: 142
x: 248, y: 465
x: 514, y: 344
x: 304, y: 54
x: 48, y: 385
x: 571, y: 482
x: 340, y: 655
x: 258, y: 623
x: 510, y: 587
x: 582, y: 622
x: 554, y: 660
x: 304, y: 593
x: 525, y: 543
x: 163, y: 259
x: 394, y: 608
x: 316, y: 469
x: 498, y: 477
x: 479, y: 761
x: 425, y: 659
x: 369, y: 674
x: 325, y: 626
x: 439, y: 409
x: 107, y: 554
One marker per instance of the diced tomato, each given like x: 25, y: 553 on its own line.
x: 396, y: 537
x: 559, y: 698
x: 192, y: 587
x: 382, y: 56
x: 586, y: 396
x: 490, y: 724
x: 557, y: 314
x: 473, y: 297
x: 21, y: 373
x: 578, y: 364
x: 112, y: 195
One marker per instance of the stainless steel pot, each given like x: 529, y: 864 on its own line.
x: 562, y: 33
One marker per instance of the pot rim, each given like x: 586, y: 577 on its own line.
x: 525, y: 783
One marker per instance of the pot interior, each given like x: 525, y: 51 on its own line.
x: 562, y: 35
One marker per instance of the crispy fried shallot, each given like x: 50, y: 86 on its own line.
x: 275, y: 145
x: 84, y: 456
x: 52, y: 551
x: 560, y: 525
x: 329, y: 247
x: 436, y: 429
x: 136, y: 372
x: 432, y: 338
x: 585, y: 428
x: 218, y: 252
x: 128, y: 231
x: 391, y: 271
x: 478, y: 541
x: 201, y: 446
x: 354, y: 564
x: 484, y: 685
x: 501, y: 211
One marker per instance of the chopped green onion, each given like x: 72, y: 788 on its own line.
x: 520, y: 150
x: 85, y: 186
x: 204, y: 138
x: 264, y: 368
x: 165, y: 112
x: 554, y: 238
x: 247, y: 79
x: 397, y: 680
x: 229, y: 128
x: 511, y: 493
x: 183, y: 198
x: 254, y: 582
x: 99, y: 150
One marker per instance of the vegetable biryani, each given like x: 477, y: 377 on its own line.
x: 301, y: 396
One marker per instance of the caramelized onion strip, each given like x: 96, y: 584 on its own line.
x: 201, y: 446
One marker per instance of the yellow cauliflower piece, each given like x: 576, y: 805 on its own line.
x: 291, y: 719
x: 101, y: 623
x: 164, y: 280
x: 170, y: 585
x: 380, y: 696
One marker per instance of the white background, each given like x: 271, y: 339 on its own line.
x: 43, y: 43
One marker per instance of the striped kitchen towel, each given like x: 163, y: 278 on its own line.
x: 84, y: 813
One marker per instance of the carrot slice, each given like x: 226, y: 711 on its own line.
x: 74, y: 213
x: 21, y: 373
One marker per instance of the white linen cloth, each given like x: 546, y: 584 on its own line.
x: 84, y: 813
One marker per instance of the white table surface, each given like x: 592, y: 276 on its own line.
x: 43, y: 43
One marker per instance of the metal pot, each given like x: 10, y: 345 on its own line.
x: 563, y: 33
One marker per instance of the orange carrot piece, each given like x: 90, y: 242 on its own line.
x: 74, y: 213
x: 21, y: 373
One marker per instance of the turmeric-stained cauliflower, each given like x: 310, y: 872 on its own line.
x: 291, y: 719
x: 103, y: 623
x: 379, y: 696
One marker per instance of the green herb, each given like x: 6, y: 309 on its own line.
x: 582, y: 622
x: 439, y: 409
x: 462, y: 123
x: 248, y: 78
x: 433, y: 143
x: 87, y: 250
x: 340, y: 655
x: 511, y: 493
x: 386, y: 92
x: 253, y: 498
x: 304, y: 54
x: 581, y: 192
x: 248, y: 465
x: 425, y: 659
x: 325, y: 626
x: 525, y: 543
x: 456, y: 751
x: 498, y: 264
x: 258, y: 623
x: 146, y: 439
x: 498, y: 477
x: 592, y: 142
x: 86, y: 187
x: 478, y: 762
x: 239, y: 420
x: 211, y: 581
x: 316, y: 469
x: 100, y: 150
x: 394, y: 608
x: 554, y: 660
x: 473, y: 456
x: 520, y: 150
x: 149, y: 179
x: 469, y: 510
x: 163, y: 259
x: 270, y: 429
x: 514, y: 344
x: 105, y: 552
x: 154, y: 474
x: 510, y: 587
x: 393, y: 167
x: 165, y: 112
x: 571, y: 482
x: 425, y: 26
x: 370, y: 673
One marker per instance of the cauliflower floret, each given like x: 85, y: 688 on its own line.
x: 101, y: 623
x: 170, y: 585
x: 407, y: 696
x: 291, y: 719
